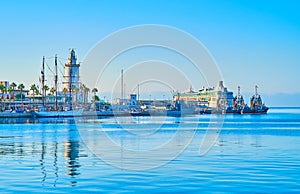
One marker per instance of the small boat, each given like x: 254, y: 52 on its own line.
x: 139, y: 112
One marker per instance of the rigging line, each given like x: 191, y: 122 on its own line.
x: 62, y: 65
x: 49, y: 57
x: 49, y: 68
x: 61, y: 72
x: 65, y: 59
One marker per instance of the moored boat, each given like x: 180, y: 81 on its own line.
x: 139, y: 112
x: 262, y: 109
x: 256, y: 105
x: 15, y: 114
x: 68, y: 113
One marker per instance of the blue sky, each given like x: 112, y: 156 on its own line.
x: 253, y: 42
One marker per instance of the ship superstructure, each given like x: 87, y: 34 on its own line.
x: 217, y: 98
x: 256, y: 105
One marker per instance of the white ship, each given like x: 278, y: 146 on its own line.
x: 220, y: 100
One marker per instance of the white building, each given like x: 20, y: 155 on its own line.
x: 71, y: 72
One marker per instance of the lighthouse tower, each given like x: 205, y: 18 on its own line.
x: 71, y: 72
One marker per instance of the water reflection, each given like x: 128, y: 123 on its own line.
x: 71, y: 154
x: 42, y: 161
x: 50, y: 151
x: 37, y: 120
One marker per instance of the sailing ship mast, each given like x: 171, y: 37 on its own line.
x: 55, y: 83
x: 43, y: 81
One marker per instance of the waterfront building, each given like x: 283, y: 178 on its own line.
x: 133, y: 99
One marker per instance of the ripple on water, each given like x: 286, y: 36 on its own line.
x: 253, y: 153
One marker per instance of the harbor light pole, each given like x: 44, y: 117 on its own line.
x: 122, y: 88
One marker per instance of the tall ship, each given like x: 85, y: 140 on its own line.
x: 71, y: 83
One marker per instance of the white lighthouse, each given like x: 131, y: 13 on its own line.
x: 71, y: 72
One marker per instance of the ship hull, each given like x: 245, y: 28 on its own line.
x: 45, y: 114
x: 15, y: 115
x: 257, y: 111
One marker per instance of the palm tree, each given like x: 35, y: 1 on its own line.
x: 45, y: 88
x: 10, y: 90
x: 5, y: 90
x: 65, y: 91
x: 76, y: 90
x: 13, y: 86
x: 96, y: 98
x: 52, y: 91
x: 95, y: 90
x: 2, y: 89
x: 86, y: 93
x: 33, y: 88
x: 21, y: 88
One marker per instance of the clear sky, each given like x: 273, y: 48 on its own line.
x: 252, y: 41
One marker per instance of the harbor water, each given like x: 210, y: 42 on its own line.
x: 249, y: 154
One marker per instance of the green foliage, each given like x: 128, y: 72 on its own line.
x: 21, y: 87
x: 18, y: 96
x: 2, y: 89
x: 96, y: 98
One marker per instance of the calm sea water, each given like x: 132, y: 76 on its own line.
x: 250, y: 154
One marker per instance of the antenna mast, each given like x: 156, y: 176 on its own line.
x: 256, y: 93
x: 122, y: 87
x: 138, y: 92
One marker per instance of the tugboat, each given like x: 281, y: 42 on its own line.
x: 256, y: 105
x: 139, y: 112
x: 238, y: 102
